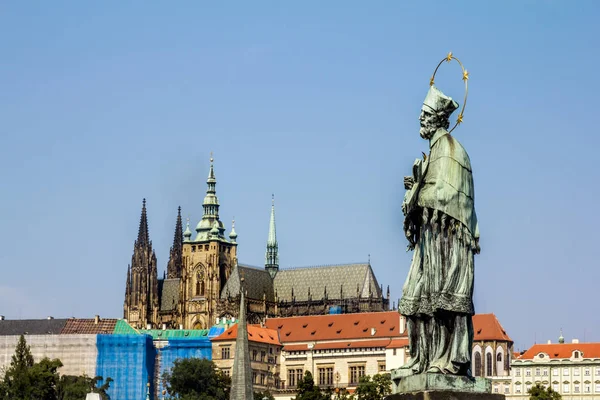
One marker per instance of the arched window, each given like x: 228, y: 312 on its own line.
x: 499, y: 357
x: 488, y: 364
x: 200, y: 284
x: 477, y: 371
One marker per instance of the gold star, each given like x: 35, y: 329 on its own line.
x: 431, y: 81
x: 459, y: 119
x: 449, y: 57
x: 465, y: 75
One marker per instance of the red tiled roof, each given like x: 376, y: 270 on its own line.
x: 487, y: 327
x: 398, y: 343
x: 516, y: 355
x: 347, y: 344
x: 565, y: 350
x: 337, y: 326
x: 255, y: 334
x: 89, y: 326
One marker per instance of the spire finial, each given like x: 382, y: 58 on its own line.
x: 233, y: 233
x: 211, y: 157
x: 143, y: 236
x: 272, y: 253
x: 272, y: 199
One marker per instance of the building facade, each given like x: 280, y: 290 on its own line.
x: 202, y: 281
x: 572, y: 369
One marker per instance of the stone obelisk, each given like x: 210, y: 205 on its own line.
x: 241, y: 377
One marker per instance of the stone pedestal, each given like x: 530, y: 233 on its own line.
x: 441, y: 387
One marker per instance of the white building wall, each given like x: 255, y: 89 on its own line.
x: 78, y: 353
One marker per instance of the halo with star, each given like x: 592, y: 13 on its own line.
x: 465, y: 77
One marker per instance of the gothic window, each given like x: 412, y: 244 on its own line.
x: 499, y: 357
x: 200, y: 289
x: 488, y: 364
x: 477, y: 364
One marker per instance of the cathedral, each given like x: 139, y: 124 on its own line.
x: 201, y: 286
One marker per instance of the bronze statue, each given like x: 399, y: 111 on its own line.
x: 441, y: 227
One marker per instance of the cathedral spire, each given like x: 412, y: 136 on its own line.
x: 143, y: 236
x: 176, y: 257
x: 241, y: 377
x: 272, y: 254
x: 211, y: 208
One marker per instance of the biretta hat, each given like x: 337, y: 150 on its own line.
x: 438, y: 101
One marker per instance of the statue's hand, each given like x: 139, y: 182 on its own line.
x: 409, y: 181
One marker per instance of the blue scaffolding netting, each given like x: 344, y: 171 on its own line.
x: 181, y: 348
x: 129, y: 361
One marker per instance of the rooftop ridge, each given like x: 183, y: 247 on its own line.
x: 307, y: 266
x: 326, y: 266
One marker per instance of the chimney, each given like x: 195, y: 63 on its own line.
x: 575, y: 341
x: 50, y: 317
x: 402, y: 324
x: 1, y: 317
x: 549, y: 341
x: 96, y: 319
x: 373, y: 331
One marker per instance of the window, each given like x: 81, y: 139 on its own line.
x: 576, y: 388
x: 545, y: 372
x: 477, y: 363
x: 528, y: 372
x: 488, y: 364
x: 565, y: 371
x: 206, y: 247
x: 506, y: 390
x: 326, y: 376
x: 226, y: 372
x: 356, y: 372
x: 394, y: 351
x: 586, y: 372
x: 225, y: 353
x: 518, y: 389
x: 518, y: 372
x: 262, y: 379
x: 254, y: 377
x: 263, y: 354
x: 254, y: 355
x: 499, y: 357
x: 576, y: 354
x: 193, y: 249
x: 597, y: 388
x: 381, y: 367
x: 555, y: 372
x: 527, y: 387
x: 537, y: 371
x: 597, y: 371
x: 555, y: 387
x: 566, y: 388
x: 496, y: 389
x: 576, y: 372
x: 291, y: 378
x: 299, y: 373
x: 587, y: 388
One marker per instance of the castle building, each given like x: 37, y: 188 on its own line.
x: 203, y: 278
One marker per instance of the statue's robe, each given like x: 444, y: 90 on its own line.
x: 438, y: 293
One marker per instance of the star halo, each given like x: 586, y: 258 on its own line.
x: 465, y: 77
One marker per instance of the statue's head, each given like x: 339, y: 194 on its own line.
x: 435, y: 112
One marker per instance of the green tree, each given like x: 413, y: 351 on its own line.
x: 197, y: 379
x: 374, y: 389
x: 262, y: 395
x: 343, y: 394
x: 77, y: 387
x: 540, y: 392
x: 307, y: 390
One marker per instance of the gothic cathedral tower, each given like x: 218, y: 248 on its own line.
x: 141, y: 290
x: 208, y: 260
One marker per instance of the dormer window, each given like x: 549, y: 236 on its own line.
x: 575, y: 354
x: 541, y: 355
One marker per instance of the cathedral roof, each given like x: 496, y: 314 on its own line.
x: 333, y: 278
x: 168, y: 293
x: 257, y: 282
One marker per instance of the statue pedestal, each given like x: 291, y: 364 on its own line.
x: 441, y: 387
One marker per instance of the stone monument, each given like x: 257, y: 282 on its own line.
x: 441, y: 227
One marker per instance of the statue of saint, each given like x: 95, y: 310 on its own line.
x: 441, y: 227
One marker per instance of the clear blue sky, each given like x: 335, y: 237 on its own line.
x: 104, y: 104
